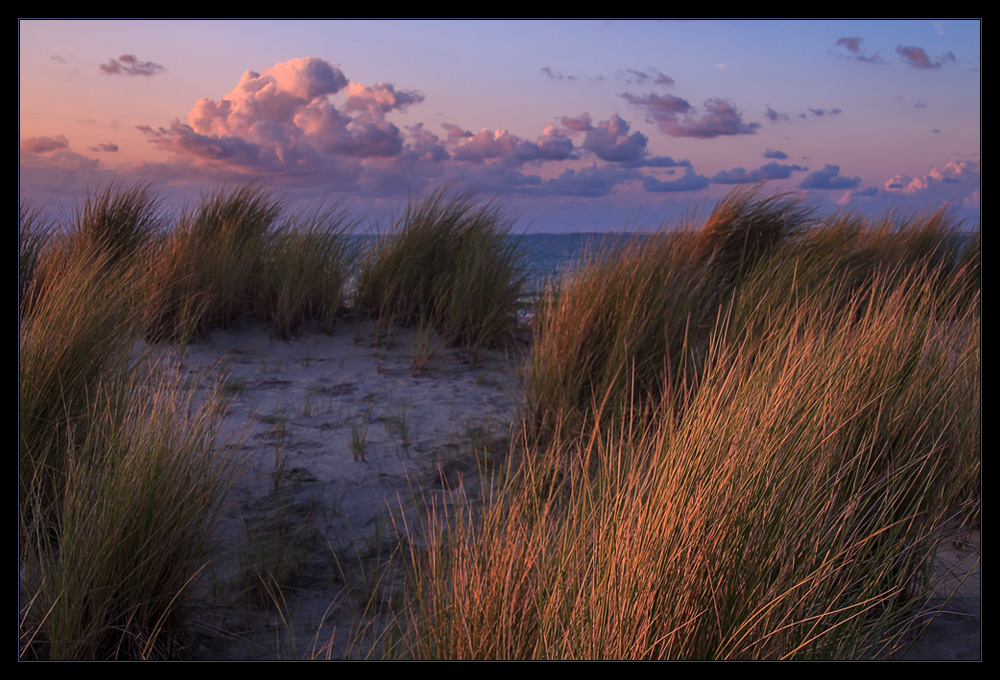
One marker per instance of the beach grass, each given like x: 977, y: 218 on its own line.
x: 447, y: 262
x: 782, y: 500
x: 742, y: 436
x: 118, y: 472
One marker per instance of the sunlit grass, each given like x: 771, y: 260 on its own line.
x: 784, y: 499
x: 742, y: 438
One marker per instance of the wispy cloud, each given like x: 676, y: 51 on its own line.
x: 556, y: 75
x: 775, y: 116
x: 650, y: 76
x: 129, y: 65
x: 822, y: 112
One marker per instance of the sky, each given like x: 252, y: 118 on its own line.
x: 570, y: 125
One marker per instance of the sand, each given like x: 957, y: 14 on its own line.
x: 338, y: 444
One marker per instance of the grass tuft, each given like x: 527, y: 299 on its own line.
x: 448, y: 262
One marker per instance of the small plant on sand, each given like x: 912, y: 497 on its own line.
x: 359, y: 439
x: 422, y: 347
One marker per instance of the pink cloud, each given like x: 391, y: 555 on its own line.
x: 286, y: 119
x: 129, y: 65
x: 918, y: 58
x: 44, y: 144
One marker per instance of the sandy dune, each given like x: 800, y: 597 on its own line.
x: 336, y: 442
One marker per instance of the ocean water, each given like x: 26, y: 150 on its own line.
x: 548, y: 256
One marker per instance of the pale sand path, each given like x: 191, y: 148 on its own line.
x: 336, y: 439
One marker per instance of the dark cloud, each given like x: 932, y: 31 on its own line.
x: 661, y: 162
x: 610, y: 140
x: 829, y: 178
x: 592, y: 181
x: 44, y: 144
x: 772, y: 170
x: 918, y: 58
x: 689, y: 182
x: 920, y: 105
x: 676, y: 117
x: 129, y: 65
x: 774, y: 116
x: 774, y: 153
x: 853, y: 45
x: 106, y: 147
x: 823, y: 112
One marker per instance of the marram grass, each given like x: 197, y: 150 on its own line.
x: 742, y: 438
x: 776, y: 493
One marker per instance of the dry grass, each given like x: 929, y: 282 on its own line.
x: 782, y: 501
x: 448, y: 263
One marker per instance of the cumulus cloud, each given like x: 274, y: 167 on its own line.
x: 918, y: 58
x: 129, y: 65
x: 954, y: 172
x: 610, y: 140
x: 106, y: 147
x: 286, y: 119
x: 676, y: 117
x: 853, y: 46
x: 772, y: 170
x: 829, y: 178
x: 44, y: 144
x: 552, y: 145
x: 775, y: 153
